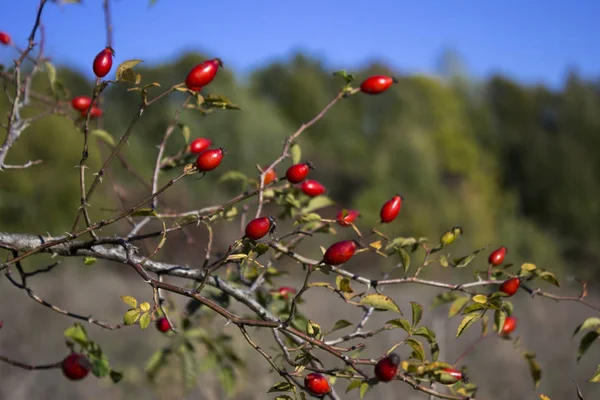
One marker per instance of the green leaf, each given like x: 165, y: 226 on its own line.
x: 233, y: 176
x: 100, y: 367
x: 343, y: 284
x: 51, y: 75
x: 380, y: 302
x: 77, y: 334
x: 131, y: 317
x: 534, y: 369
x: 89, y: 260
x: 124, y: 70
x: 528, y: 267
x: 419, y: 352
x: 309, y: 217
x: 186, y: 132
x: 317, y: 203
x: 156, y: 361
x: 466, y: 260
x: 313, y: 329
x: 400, y: 323
x: 549, y: 277
x: 364, y: 388
x: 404, y: 258
x: 227, y: 378
x: 417, y: 313
x: 466, y: 323
x: 115, y: 376
x: 596, y: 377
x: 499, y: 319
x: 348, y: 78
x: 341, y: 324
x: 103, y: 135
x: 586, y: 341
x: 457, y: 305
x: 219, y: 101
x: 296, y: 153
x: 144, y: 212
x: 444, y: 298
x: 590, y: 323
x: 354, y: 385
x: 281, y: 387
x: 283, y: 397
x: 144, y: 320
x: 471, y: 308
x: 428, y: 334
x: 130, y: 301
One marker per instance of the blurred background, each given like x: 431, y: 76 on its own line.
x: 494, y: 125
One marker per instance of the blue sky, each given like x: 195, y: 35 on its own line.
x: 534, y: 41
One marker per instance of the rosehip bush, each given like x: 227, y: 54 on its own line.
x: 276, y: 221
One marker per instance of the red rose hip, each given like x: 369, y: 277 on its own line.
x: 76, y: 366
x: 510, y: 286
x: 202, y: 74
x: 163, y: 325
x: 270, y: 176
x: 210, y: 159
x: 346, y: 217
x: 510, y: 324
x: 199, y: 145
x: 5, y: 38
x: 377, y: 84
x: 340, y: 252
x: 390, y: 210
x: 497, y: 256
x: 317, y: 384
x: 81, y: 103
x: 95, y: 112
x: 312, y: 188
x: 259, y: 227
x: 298, y: 172
x: 103, y: 62
x: 387, y: 368
x: 285, y: 291
x: 449, y: 376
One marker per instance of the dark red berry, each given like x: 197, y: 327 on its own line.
x: 199, y: 145
x: 450, y: 376
x: 387, y: 368
x: 195, y: 88
x: 391, y: 209
x: 210, y: 159
x: 5, y: 38
x: 270, y: 176
x: 81, y: 103
x: 510, y: 286
x: 103, y: 62
x: 346, y: 217
x: 340, y: 252
x: 202, y: 74
x: 317, y: 384
x: 497, y: 256
x: 377, y: 84
x: 285, y: 291
x: 163, y: 325
x: 510, y: 324
x: 312, y: 188
x: 76, y: 366
x: 259, y: 227
x: 298, y: 172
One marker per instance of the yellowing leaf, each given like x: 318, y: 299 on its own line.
x: 480, y: 298
x: 466, y: 323
x: 124, y: 70
x: 381, y: 302
x: 105, y: 136
x: 131, y: 317
x: 130, y: 301
x: 376, y: 245
x: 528, y: 267
x: 145, y: 320
x: 544, y: 397
x: 236, y: 257
x: 145, y: 306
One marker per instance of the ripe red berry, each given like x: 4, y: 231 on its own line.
x: 5, y: 38
x: 259, y: 227
x: 76, y: 366
x: 163, y: 325
x: 269, y: 177
x: 510, y: 324
x: 391, y: 209
x: 210, y: 159
x: 95, y: 112
x: 497, y: 256
x: 346, y: 218
x: 285, y: 291
x: 312, y: 188
x: 450, y: 376
x: 317, y: 384
x: 298, y: 172
x: 387, y: 368
x: 202, y: 74
x: 340, y: 252
x: 199, y: 145
x: 81, y: 103
x: 510, y: 286
x: 103, y: 62
x: 377, y: 84
x: 195, y: 88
